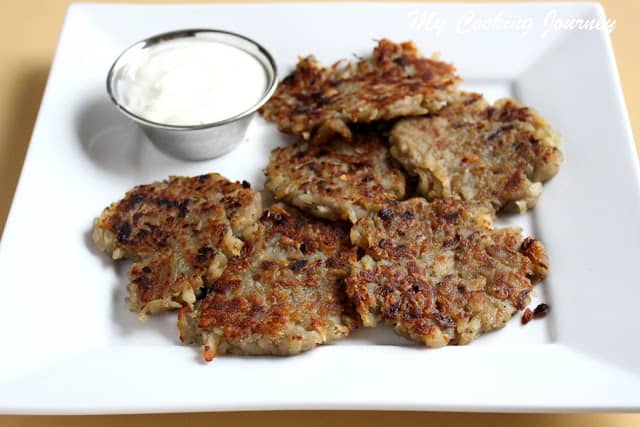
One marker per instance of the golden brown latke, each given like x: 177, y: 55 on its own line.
x: 470, y: 150
x: 283, y: 295
x: 339, y: 180
x: 438, y: 273
x: 315, y: 102
x: 180, y: 233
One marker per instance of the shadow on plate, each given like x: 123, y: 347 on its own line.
x: 111, y: 141
x: 117, y: 146
x: 380, y: 335
x: 158, y: 328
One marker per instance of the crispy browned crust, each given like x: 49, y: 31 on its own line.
x: 438, y: 273
x: 315, y: 102
x: 340, y: 180
x: 474, y: 151
x: 179, y: 232
x: 284, y: 294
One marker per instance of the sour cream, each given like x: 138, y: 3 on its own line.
x: 191, y: 82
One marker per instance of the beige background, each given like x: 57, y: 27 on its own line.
x: 28, y: 35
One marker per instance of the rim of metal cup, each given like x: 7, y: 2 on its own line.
x: 190, y: 33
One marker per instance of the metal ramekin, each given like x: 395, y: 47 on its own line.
x: 197, y: 142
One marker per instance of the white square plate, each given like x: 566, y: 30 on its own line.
x: 69, y: 345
